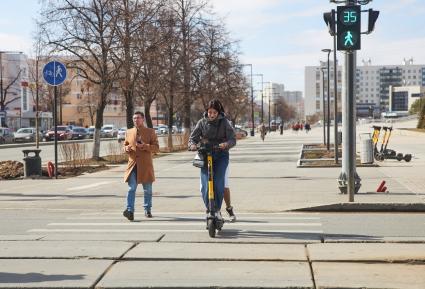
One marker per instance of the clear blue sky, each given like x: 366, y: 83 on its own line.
x: 279, y: 37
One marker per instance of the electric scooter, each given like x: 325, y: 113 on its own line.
x: 386, y: 153
x: 375, y: 140
x: 213, y: 222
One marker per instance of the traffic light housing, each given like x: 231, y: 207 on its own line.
x: 329, y: 18
x: 373, y: 16
x: 348, y: 27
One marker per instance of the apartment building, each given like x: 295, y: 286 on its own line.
x: 372, y: 85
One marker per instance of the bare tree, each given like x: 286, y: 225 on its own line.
x: 189, y: 16
x: 6, y: 86
x: 86, y: 32
x: 134, y: 19
x: 88, y: 102
x: 284, y: 111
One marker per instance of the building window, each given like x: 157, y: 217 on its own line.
x: 317, y: 104
x: 399, y: 102
x: 24, y: 99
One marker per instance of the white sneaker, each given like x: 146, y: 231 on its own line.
x: 219, y: 216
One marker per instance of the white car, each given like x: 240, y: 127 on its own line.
x: 108, y: 130
x: 162, y: 129
x: 121, y: 134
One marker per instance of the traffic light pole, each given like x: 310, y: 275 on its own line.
x: 349, y: 181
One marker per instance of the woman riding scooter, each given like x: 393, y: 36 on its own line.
x: 215, y: 130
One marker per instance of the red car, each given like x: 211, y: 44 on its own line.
x: 64, y: 133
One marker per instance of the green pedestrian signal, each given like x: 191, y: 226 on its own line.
x: 348, y: 27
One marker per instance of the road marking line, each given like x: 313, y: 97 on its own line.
x: 176, y: 223
x: 160, y: 231
x: 199, y: 213
x: 88, y: 186
x: 197, y: 216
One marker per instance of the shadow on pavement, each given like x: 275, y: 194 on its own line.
x: 35, y: 277
x: 241, y: 234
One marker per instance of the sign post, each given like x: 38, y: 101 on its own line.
x: 54, y: 73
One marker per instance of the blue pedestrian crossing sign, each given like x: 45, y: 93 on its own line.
x: 54, y: 73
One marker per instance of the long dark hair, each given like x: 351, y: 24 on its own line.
x: 215, y: 104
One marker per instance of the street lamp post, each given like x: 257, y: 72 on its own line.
x: 323, y: 104
x: 270, y: 93
x: 328, y: 51
x: 262, y: 97
x: 252, y: 100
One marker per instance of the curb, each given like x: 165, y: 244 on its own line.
x: 366, y: 207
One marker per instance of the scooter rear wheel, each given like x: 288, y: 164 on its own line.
x: 408, y: 157
x: 399, y: 157
x: 211, y: 227
x: 380, y: 157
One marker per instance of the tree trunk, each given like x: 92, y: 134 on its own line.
x: 148, y: 117
x: 171, y: 119
x: 421, y: 120
x: 98, y: 125
x: 129, y: 108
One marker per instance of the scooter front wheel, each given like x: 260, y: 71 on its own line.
x: 211, y: 227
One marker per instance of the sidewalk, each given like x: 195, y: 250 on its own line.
x: 80, y: 240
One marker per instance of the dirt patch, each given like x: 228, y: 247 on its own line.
x: 11, y: 170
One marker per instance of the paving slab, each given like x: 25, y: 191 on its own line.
x: 63, y: 249
x: 132, y: 237
x: 240, y: 236
x: 42, y: 273
x: 362, y: 275
x: 207, y: 274
x: 217, y: 251
x: 20, y: 237
x: 386, y: 252
x: 347, y: 239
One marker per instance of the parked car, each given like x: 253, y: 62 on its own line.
x: 27, y: 134
x: 108, y: 130
x: 121, y: 134
x: 64, y: 133
x: 90, y: 132
x: 6, y: 135
x: 240, y: 133
x: 162, y: 129
x: 79, y: 133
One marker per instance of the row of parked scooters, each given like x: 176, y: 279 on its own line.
x: 385, y: 153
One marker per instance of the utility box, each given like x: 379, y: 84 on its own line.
x: 366, y: 148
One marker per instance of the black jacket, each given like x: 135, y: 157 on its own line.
x: 215, y: 132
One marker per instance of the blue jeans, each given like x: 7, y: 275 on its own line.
x: 131, y: 195
x: 220, y: 163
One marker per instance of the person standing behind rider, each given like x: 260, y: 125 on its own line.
x: 214, y: 129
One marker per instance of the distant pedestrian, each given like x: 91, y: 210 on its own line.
x: 307, y: 127
x: 263, y: 131
x: 281, y: 128
x: 139, y: 144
